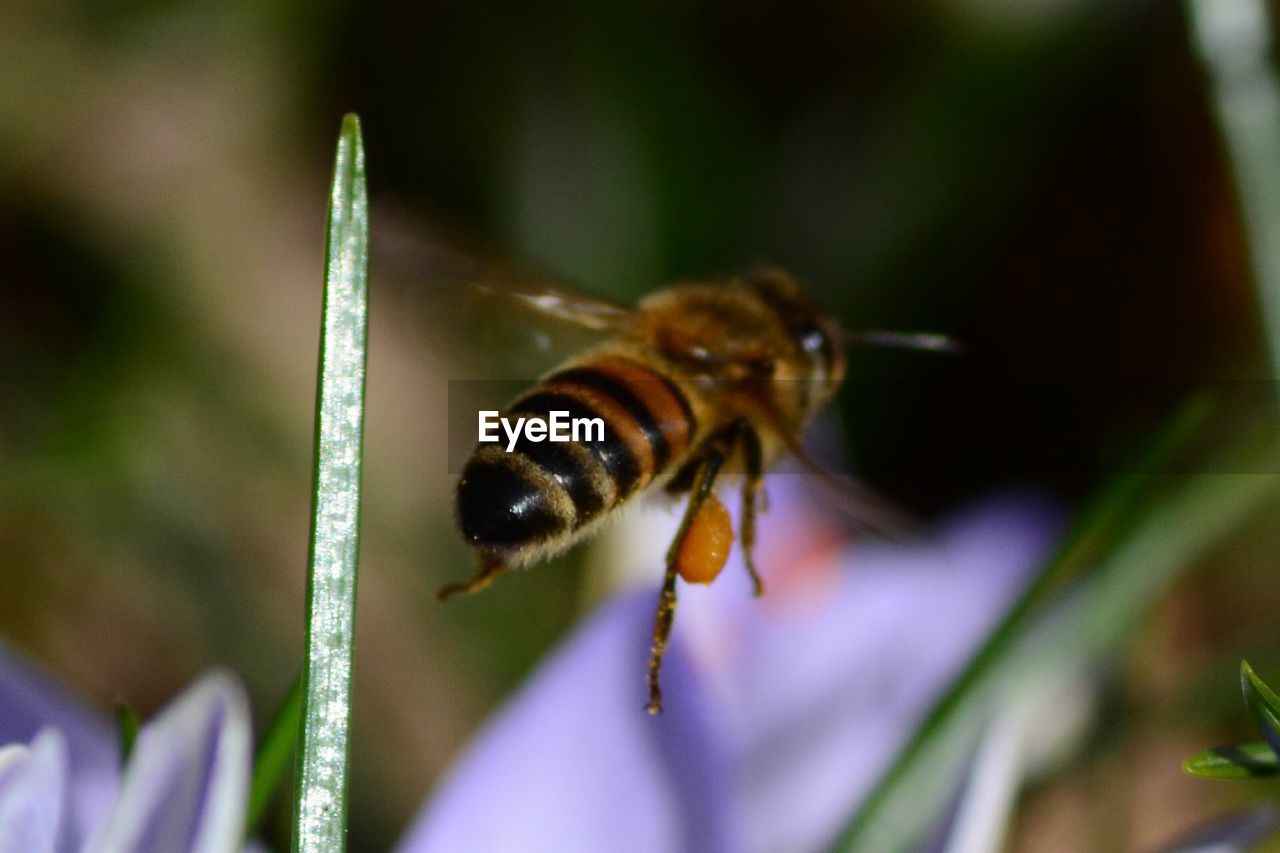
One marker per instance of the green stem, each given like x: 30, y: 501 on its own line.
x: 275, y: 753
x: 1234, y: 40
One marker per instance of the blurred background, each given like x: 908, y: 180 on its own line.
x: 1042, y: 179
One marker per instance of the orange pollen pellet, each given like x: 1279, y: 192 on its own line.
x: 706, y: 545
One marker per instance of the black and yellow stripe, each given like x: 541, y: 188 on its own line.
x: 542, y: 492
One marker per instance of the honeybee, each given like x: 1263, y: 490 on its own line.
x: 697, y: 381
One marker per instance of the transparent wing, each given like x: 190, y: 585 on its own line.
x: 463, y: 286
x: 589, y: 312
x: 867, y: 513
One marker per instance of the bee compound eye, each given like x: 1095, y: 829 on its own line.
x: 813, y: 340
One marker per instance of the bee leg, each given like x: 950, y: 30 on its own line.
x: 708, y: 469
x: 490, y: 568
x: 753, y: 463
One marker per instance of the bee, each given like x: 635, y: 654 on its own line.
x: 699, y: 380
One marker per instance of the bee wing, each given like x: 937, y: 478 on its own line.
x: 588, y: 312
x: 474, y: 306
x: 867, y: 513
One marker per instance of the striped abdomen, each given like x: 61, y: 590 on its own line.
x: 518, y: 505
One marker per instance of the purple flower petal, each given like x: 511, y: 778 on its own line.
x: 1239, y: 830
x: 31, y: 701
x: 34, y: 796
x: 575, y: 763
x: 187, y: 782
x: 781, y: 713
x: 827, y: 696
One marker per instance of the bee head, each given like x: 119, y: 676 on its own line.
x: 815, y: 335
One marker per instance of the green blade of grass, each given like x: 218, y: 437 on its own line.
x: 1263, y: 704
x: 1246, y: 761
x: 1235, y: 44
x: 275, y: 753
x: 1136, y: 553
x: 127, y: 724
x: 320, y: 801
x: 953, y: 713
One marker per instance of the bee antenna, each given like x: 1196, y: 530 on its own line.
x: 923, y: 341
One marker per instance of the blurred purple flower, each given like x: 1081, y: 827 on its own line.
x: 185, y: 787
x: 781, y: 713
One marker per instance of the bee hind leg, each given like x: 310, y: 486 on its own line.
x: 703, y: 481
x: 490, y: 568
x: 753, y: 463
